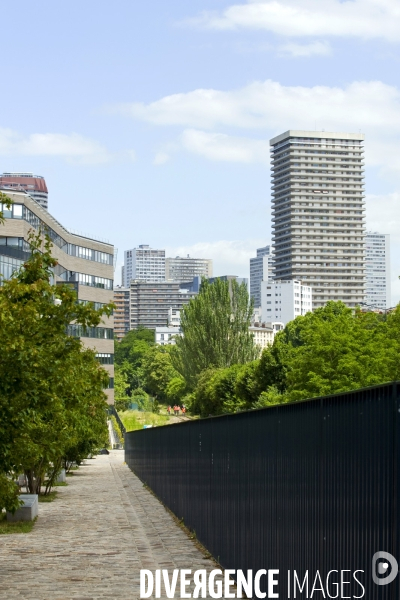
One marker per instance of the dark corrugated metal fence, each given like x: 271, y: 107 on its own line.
x: 306, y: 486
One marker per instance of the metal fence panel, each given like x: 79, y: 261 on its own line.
x: 306, y: 486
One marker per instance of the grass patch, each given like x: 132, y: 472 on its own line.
x: 49, y: 498
x: 61, y: 484
x: 7, y: 528
x: 135, y: 419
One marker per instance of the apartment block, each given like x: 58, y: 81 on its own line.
x: 377, y: 263
x: 284, y: 300
x: 263, y: 335
x: 166, y: 336
x: 121, y: 312
x: 318, y: 211
x: 34, y: 185
x: 145, y: 264
x: 260, y: 270
x: 84, y: 263
x: 151, y: 303
x: 186, y: 268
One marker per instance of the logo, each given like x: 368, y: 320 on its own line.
x: 384, y: 568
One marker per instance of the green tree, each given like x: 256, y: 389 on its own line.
x: 176, y: 388
x: 51, y: 387
x: 6, y: 202
x: 158, y: 371
x: 331, y: 350
x: 130, y: 354
x: 121, y: 398
x: 215, y: 328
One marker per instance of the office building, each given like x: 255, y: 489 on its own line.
x: 150, y: 303
x: 263, y: 335
x: 84, y: 263
x: 121, y: 312
x: 260, y: 270
x: 377, y: 263
x: 318, y: 213
x: 143, y: 263
x: 34, y: 185
x: 184, y: 269
x: 284, y: 300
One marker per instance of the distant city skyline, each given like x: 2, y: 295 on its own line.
x: 174, y: 149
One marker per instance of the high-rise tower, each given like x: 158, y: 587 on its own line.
x: 318, y: 213
x: 143, y: 263
x: 260, y: 270
x: 34, y: 185
x: 377, y: 262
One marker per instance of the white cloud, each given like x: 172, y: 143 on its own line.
x: 365, y: 19
x: 74, y: 147
x: 269, y: 107
x: 229, y: 257
x: 222, y: 147
x: 161, y: 158
x: 305, y: 50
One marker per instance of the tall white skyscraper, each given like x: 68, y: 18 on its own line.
x: 145, y: 264
x: 260, y: 270
x: 318, y: 213
x: 377, y: 262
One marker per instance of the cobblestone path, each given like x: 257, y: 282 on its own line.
x: 94, y: 538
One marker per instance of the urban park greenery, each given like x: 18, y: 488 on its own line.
x: 52, y: 404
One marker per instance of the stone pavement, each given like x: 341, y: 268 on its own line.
x: 94, y: 538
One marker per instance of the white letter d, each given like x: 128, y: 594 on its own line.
x: 143, y: 574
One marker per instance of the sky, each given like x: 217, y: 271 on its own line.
x: 150, y: 121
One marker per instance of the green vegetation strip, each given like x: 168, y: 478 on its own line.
x: 7, y: 528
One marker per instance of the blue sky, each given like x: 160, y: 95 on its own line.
x: 150, y: 120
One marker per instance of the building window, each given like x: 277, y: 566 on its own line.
x: 102, y: 333
x: 105, y: 359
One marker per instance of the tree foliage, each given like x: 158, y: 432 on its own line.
x: 51, y: 387
x: 331, y: 350
x: 215, y: 327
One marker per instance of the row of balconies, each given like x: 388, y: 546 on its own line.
x: 326, y: 153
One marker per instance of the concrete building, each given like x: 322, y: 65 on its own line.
x: 84, y: 263
x: 174, y: 317
x: 377, y: 263
x: 34, y: 185
x: 121, y: 312
x: 263, y: 336
x: 143, y: 263
x: 184, y: 269
x: 150, y: 303
x: 166, y: 336
x: 284, y: 300
x: 318, y: 213
x: 260, y: 270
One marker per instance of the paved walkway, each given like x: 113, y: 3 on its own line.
x: 92, y: 541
